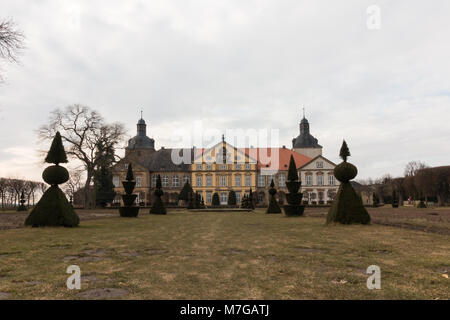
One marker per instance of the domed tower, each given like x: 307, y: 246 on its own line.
x: 140, y: 144
x: 305, y: 143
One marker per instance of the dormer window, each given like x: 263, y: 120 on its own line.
x: 319, y: 164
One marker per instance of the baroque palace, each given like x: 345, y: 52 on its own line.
x: 223, y: 167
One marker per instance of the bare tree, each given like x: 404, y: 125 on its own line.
x: 3, y: 190
x: 74, y: 183
x: 83, y: 130
x: 11, y: 41
x: 412, y: 167
x: 30, y: 190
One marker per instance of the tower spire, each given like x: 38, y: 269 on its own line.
x: 303, y: 112
x: 142, y: 114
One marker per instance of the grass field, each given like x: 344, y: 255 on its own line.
x: 223, y: 255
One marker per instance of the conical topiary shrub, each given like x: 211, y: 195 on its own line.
x: 293, y: 198
x: 244, y: 202
x: 129, y: 210
x: 215, y: 200
x: 158, y: 205
x: 273, y: 203
x: 184, y: 193
x: 347, y: 207
x: 22, y: 206
x: 191, y: 201
x: 231, y: 198
x: 53, y: 209
x: 251, y: 200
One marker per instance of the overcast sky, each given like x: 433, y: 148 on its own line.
x: 237, y: 64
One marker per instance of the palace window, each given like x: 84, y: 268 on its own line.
x: 238, y: 181
x: 165, y: 181
x: 261, y: 181
x: 138, y: 181
x: 238, y: 197
x: 199, y: 181
x: 154, y: 178
x: 116, y: 181
x: 224, y: 167
x: 186, y: 179
x: 208, y: 167
x: 319, y: 164
x: 260, y: 197
x: 247, y: 166
x: 331, y: 180
x: 270, y: 178
x: 238, y: 166
x: 309, y: 180
x: 248, y: 181
x: 199, y: 167
x: 320, y: 180
x: 223, y: 197
x: 223, y: 181
x: 175, y: 181
x: 281, y: 180
x: 208, y: 196
x: 208, y: 181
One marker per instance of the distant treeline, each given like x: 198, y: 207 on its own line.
x: 419, y: 182
x: 11, y: 189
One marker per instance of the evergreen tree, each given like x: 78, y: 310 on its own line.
x: 347, y: 207
x: 104, y: 187
x: 215, y: 200
x: 158, y: 205
x: 232, y: 198
x: 184, y: 193
x: 251, y: 200
x: 53, y: 209
x: 191, y: 201
x: 394, y: 199
x: 244, y: 202
x: 273, y: 203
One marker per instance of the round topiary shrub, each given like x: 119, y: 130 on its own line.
x: 345, y: 172
x: 55, y: 175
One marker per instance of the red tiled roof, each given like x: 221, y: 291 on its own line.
x: 260, y: 154
x: 284, y: 156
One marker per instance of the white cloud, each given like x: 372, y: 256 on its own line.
x: 235, y: 64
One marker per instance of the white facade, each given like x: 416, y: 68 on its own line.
x: 318, y: 182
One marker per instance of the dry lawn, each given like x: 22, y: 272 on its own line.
x: 223, y: 255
